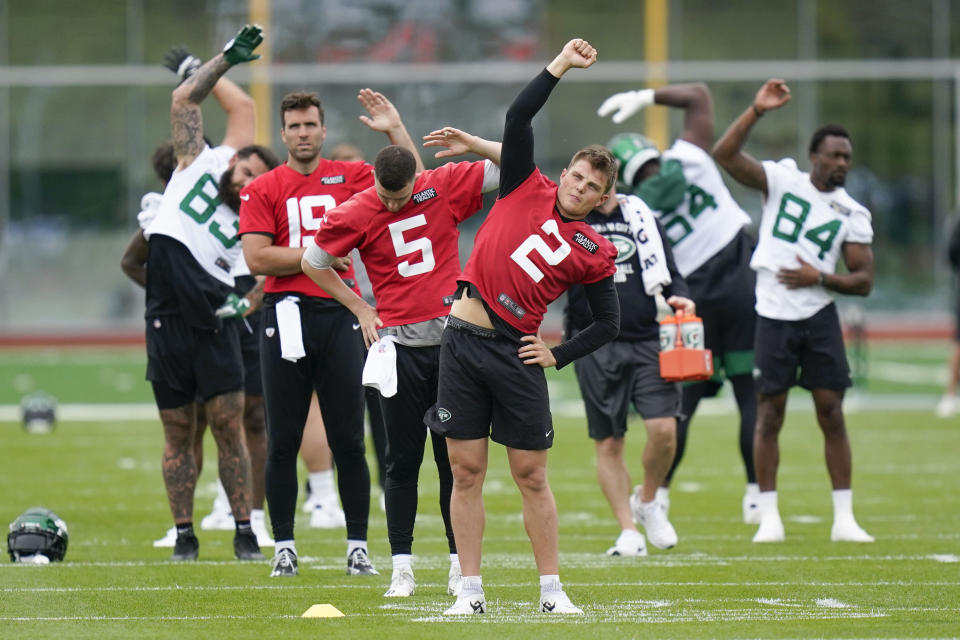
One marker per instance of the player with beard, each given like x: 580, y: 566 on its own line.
x: 308, y: 342
x: 531, y: 248
x: 193, y: 247
x: 808, y: 221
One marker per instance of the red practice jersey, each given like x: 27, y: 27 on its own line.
x: 525, y: 256
x: 411, y: 255
x: 289, y: 206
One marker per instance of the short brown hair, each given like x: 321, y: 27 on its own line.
x: 601, y: 160
x: 299, y: 100
x: 395, y: 167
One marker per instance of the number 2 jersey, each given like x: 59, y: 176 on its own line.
x: 526, y: 255
x: 708, y: 219
x: 411, y: 255
x: 799, y: 220
x: 289, y: 207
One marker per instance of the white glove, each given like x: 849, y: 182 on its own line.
x: 625, y: 104
x: 150, y: 206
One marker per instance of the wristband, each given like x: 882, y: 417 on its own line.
x: 822, y: 280
x: 757, y: 111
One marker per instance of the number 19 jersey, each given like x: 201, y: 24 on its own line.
x: 799, y: 220
x: 289, y: 207
x: 525, y: 255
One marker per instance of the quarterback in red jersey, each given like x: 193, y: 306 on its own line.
x: 304, y: 330
x: 532, y: 247
x: 406, y: 231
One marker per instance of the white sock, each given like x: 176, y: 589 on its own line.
x: 753, y: 489
x: 321, y: 482
x: 257, y: 515
x: 842, y: 504
x: 354, y: 544
x: 550, y: 583
x: 280, y: 545
x: 402, y: 561
x: 454, y: 560
x: 767, y: 501
x: 472, y: 584
x: 663, y: 494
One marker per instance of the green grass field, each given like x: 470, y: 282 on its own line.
x: 103, y: 478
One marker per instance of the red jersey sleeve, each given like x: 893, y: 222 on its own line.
x: 462, y: 181
x: 604, y: 267
x: 344, y: 228
x: 256, y: 210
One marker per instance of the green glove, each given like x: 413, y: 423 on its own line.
x: 233, y: 307
x: 240, y: 49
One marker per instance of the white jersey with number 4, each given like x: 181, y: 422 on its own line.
x: 708, y: 218
x: 192, y: 214
x: 801, y: 221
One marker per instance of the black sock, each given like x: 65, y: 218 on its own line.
x: 243, y: 527
x: 185, y: 529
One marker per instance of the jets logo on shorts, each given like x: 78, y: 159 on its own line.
x: 269, y: 331
x: 443, y: 415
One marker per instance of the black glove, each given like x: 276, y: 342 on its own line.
x: 181, y: 62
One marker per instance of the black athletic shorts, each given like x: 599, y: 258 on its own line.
x: 618, y: 373
x: 485, y: 391
x: 723, y: 288
x: 813, y: 348
x: 185, y: 364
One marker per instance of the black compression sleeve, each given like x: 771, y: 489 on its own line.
x: 516, y: 155
x: 605, y: 308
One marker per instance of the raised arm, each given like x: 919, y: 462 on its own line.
x: 517, y: 153
x: 385, y: 118
x: 241, y: 113
x: 728, y: 151
x: 186, y: 122
x: 457, y: 143
x: 694, y: 99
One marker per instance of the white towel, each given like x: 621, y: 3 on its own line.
x: 653, y: 259
x: 288, y: 325
x: 380, y: 369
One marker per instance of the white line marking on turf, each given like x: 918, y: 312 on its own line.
x: 830, y: 603
x: 121, y: 618
x: 945, y: 557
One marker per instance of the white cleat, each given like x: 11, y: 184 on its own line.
x: 849, y: 531
x: 402, y: 584
x: 629, y: 543
x: 454, y: 580
x: 771, y: 529
x: 468, y: 604
x: 558, y: 602
x: 660, y: 532
x: 327, y: 514
x: 220, y: 517
x: 947, y: 406
x: 168, y: 540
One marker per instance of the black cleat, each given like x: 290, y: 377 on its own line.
x: 358, y: 564
x: 245, y: 547
x: 186, y: 548
x: 284, y: 564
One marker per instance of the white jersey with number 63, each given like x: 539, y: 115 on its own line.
x: 191, y: 213
x: 799, y: 220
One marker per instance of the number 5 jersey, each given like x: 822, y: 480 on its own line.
x: 799, y: 220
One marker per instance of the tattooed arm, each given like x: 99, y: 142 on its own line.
x: 186, y: 122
